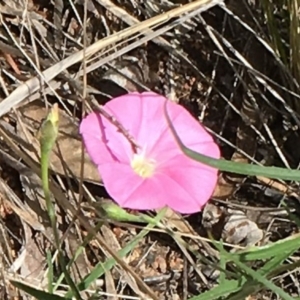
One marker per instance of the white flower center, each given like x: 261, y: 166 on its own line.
x: 142, y: 166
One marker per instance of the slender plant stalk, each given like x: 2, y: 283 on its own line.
x: 47, y: 135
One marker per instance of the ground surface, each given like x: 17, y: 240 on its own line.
x: 222, y: 74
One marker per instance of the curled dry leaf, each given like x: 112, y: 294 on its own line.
x: 239, y: 230
x: 233, y: 226
x: 130, y: 74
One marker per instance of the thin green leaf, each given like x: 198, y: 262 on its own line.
x: 50, y: 272
x: 223, y: 263
x: 101, y: 268
x: 251, y: 286
x: 260, y: 278
x: 234, y: 167
x: 38, y: 294
x: 226, y: 288
x: 257, y: 276
x: 287, y: 245
x: 79, y: 250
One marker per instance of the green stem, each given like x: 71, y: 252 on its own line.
x: 48, y: 136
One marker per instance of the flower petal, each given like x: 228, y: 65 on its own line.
x: 103, y: 140
x: 178, y: 182
x: 92, y: 131
x: 183, y: 188
x: 129, y: 190
x: 190, y: 131
x: 198, y: 180
x: 147, y: 194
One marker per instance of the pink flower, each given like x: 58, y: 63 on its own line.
x: 159, y: 174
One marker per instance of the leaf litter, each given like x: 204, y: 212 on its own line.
x: 194, y: 61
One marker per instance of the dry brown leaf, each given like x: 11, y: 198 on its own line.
x: 32, y: 211
x: 128, y: 74
x: 81, y: 267
x: 12, y: 63
x: 239, y: 230
x: 114, y: 244
x: 31, y: 258
x: 22, y: 210
x: 30, y: 261
x: 69, y: 142
x: 175, y: 220
x: 232, y: 225
x: 33, y: 265
x: 110, y: 287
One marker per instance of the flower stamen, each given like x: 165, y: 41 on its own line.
x: 142, y: 166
